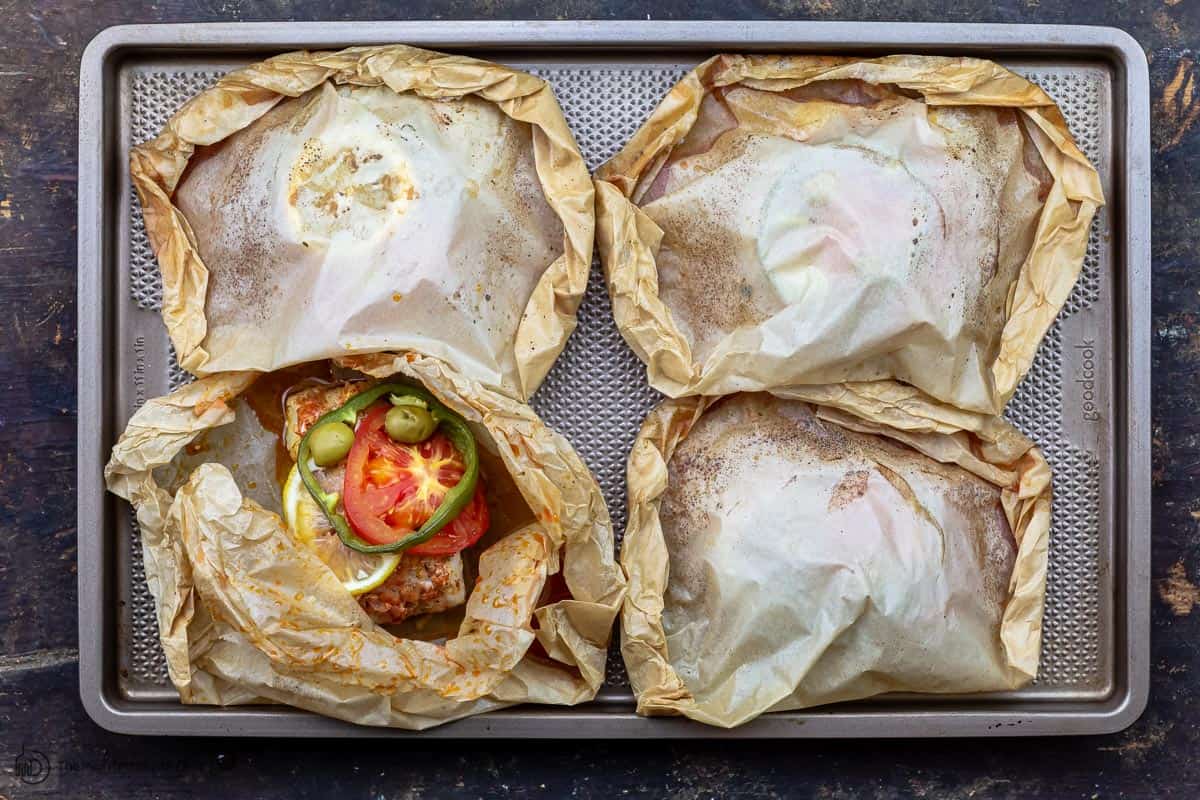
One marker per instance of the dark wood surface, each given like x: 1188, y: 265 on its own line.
x: 40, y: 712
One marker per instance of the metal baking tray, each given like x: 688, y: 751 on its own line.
x: 1086, y: 400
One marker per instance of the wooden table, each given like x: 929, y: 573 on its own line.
x: 39, y: 705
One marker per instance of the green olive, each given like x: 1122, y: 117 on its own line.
x: 409, y: 424
x: 329, y: 443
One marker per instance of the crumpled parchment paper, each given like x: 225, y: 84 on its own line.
x: 245, y: 615
x: 766, y: 602
x: 915, y: 218
x: 405, y: 200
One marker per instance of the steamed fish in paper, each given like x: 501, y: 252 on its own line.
x: 807, y: 221
x: 320, y: 205
x: 798, y: 561
x: 380, y: 540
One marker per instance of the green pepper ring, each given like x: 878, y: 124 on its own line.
x: 452, y: 504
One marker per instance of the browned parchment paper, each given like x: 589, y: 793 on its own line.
x: 324, y: 204
x: 808, y: 220
x: 758, y: 602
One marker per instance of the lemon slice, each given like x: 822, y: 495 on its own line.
x: 358, y: 572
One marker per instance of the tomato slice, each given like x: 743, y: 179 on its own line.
x: 392, y: 489
x: 462, y: 532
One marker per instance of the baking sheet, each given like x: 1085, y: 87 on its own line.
x: 1074, y: 402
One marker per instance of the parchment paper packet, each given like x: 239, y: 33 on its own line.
x: 317, y: 205
x: 246, y: 615
x: 777, y: 559
x: 807, y: 220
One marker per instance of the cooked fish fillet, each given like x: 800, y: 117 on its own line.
x: 303, y: 408
x: 421, y: 584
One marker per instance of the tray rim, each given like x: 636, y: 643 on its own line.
x: 98, y: 693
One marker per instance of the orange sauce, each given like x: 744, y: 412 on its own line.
x: 266, y: 398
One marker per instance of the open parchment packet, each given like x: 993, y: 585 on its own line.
x: 778, y: 560
x: 806, y: 220
x: 317, y: 205
x: 245, y: 615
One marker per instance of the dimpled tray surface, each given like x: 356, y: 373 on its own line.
x: 1074, y: 402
